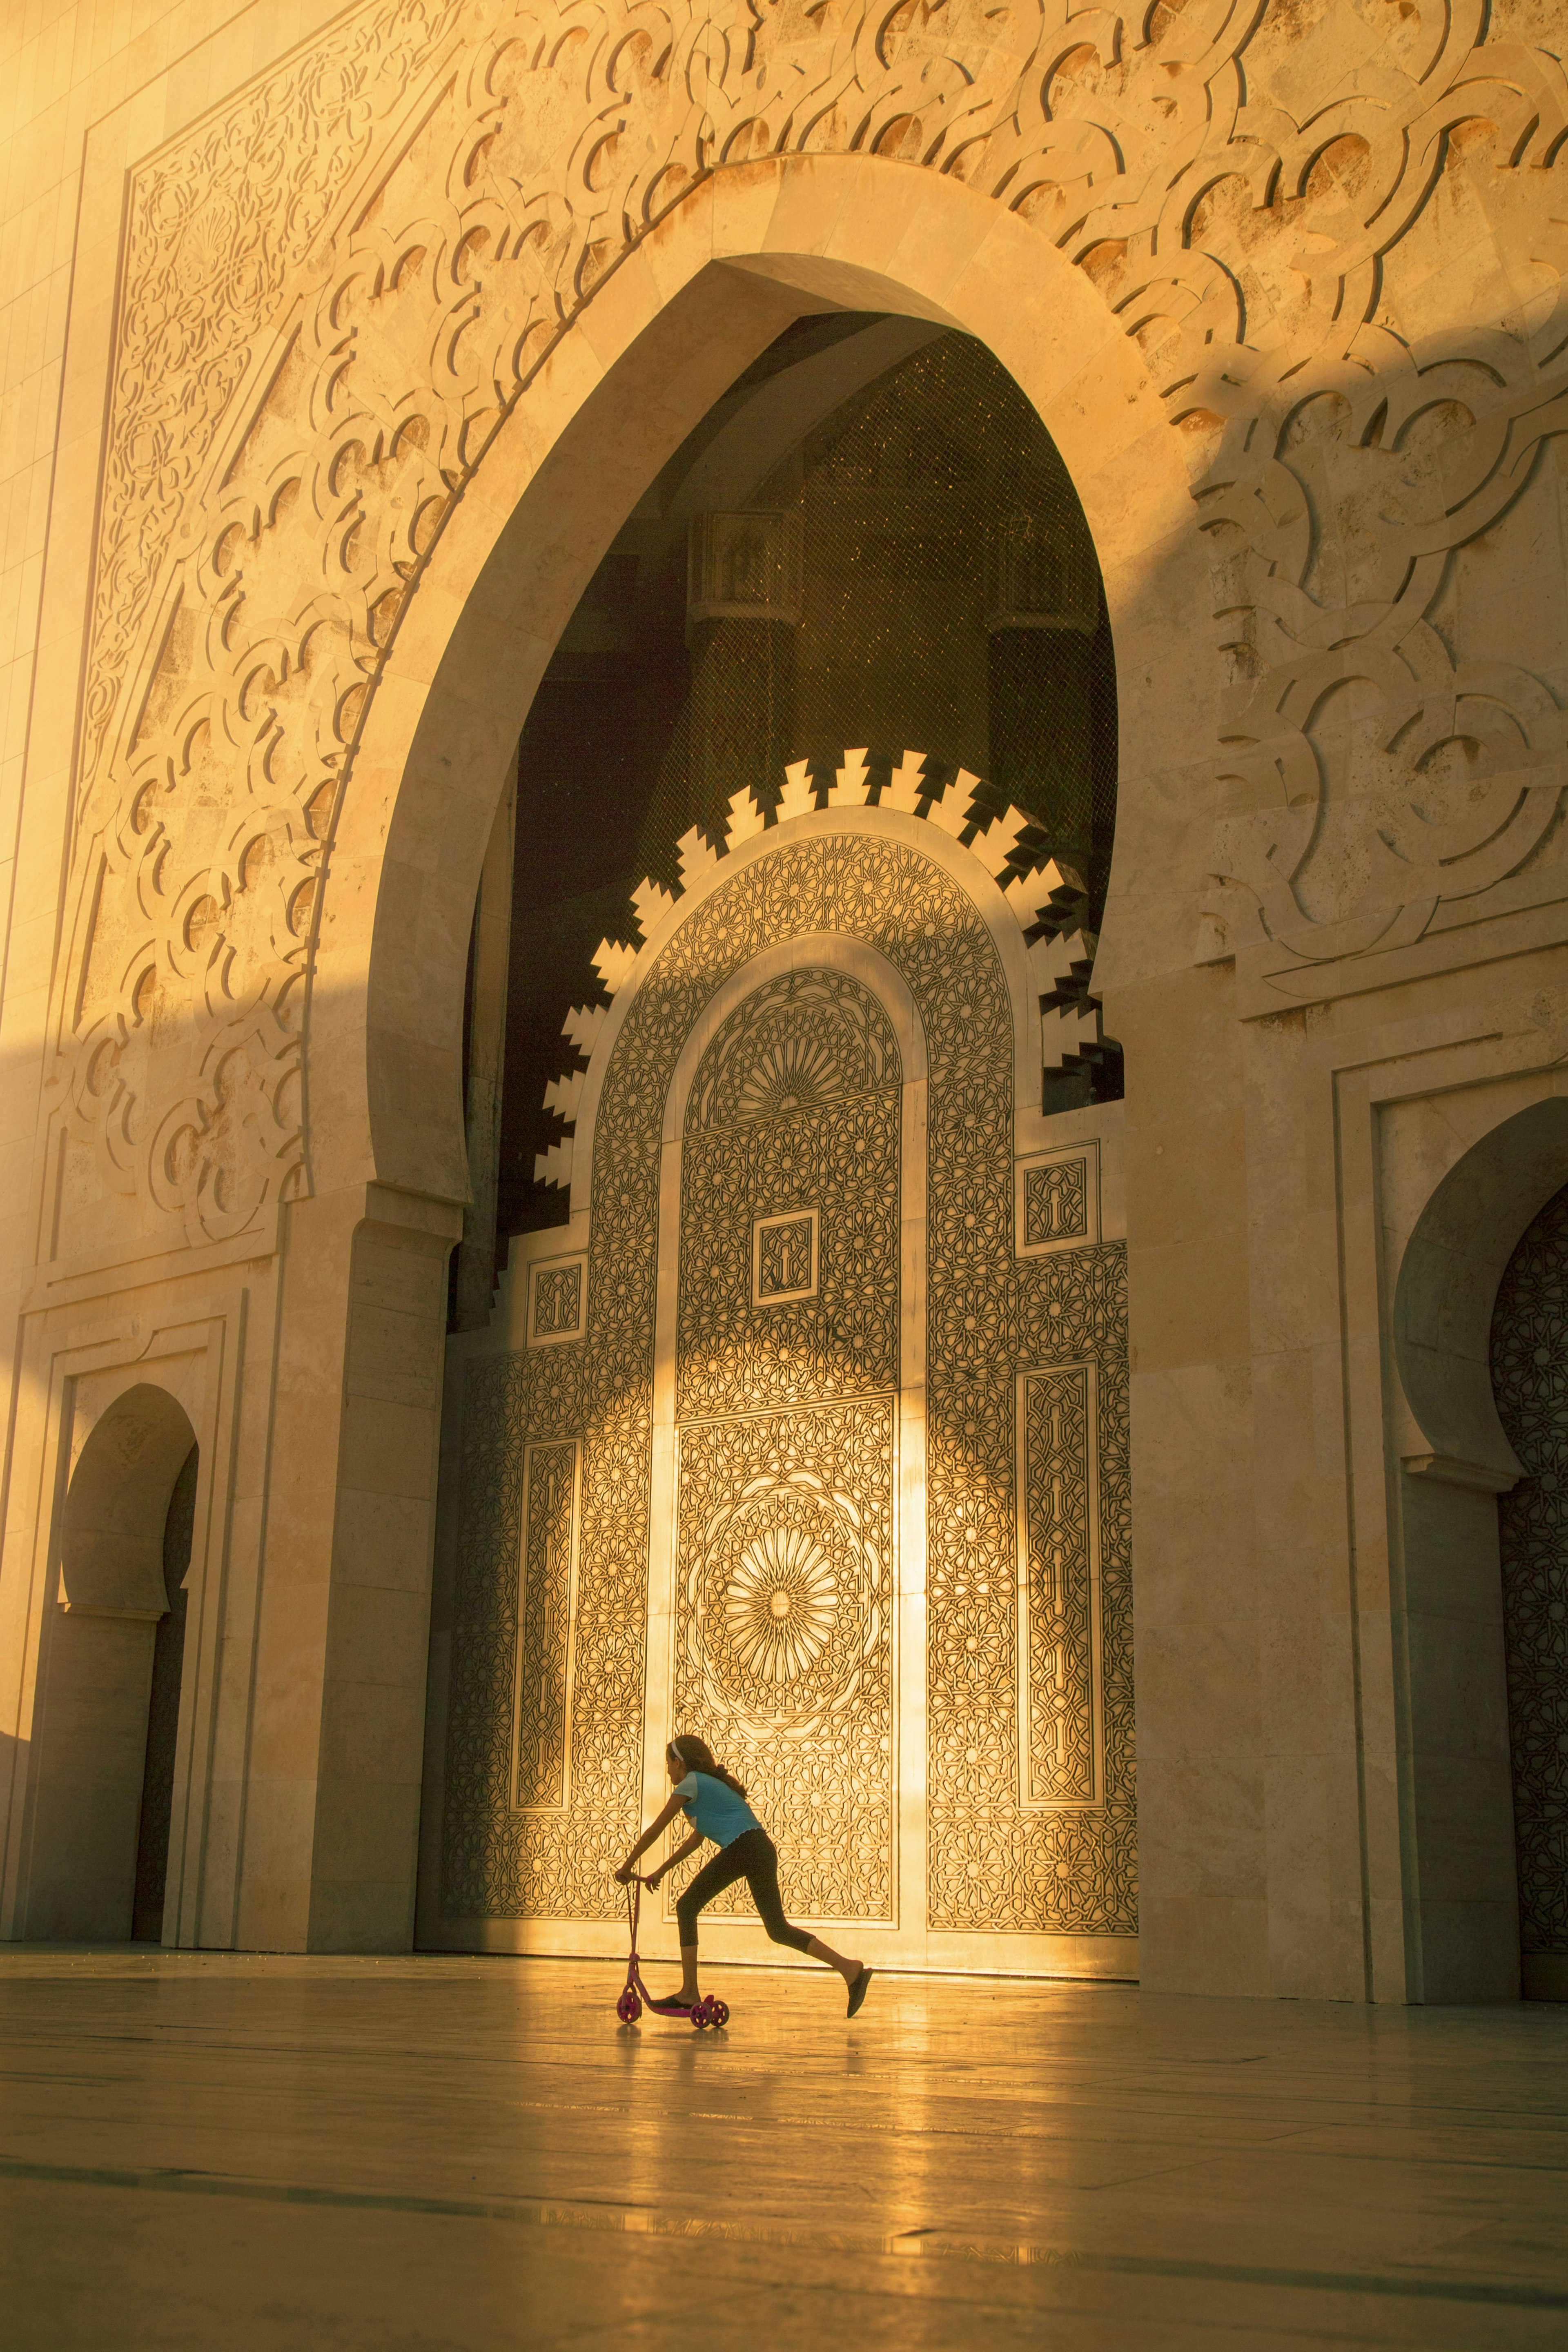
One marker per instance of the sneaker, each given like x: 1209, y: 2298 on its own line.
x: 673, y: 2006
x: 859, y: 1988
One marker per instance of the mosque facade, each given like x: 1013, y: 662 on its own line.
x: 787, y: 794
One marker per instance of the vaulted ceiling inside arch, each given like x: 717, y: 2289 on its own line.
x: 871, y: 540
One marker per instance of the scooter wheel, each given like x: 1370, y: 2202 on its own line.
x: 718, y: 2012
x: 699, y: 2017
x: 629, y: 2009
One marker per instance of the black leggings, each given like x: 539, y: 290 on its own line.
x: 755, y: 1858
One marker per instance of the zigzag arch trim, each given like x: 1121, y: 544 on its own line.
x: 1048, y: 900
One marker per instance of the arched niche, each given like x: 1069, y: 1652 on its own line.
x: 1460, y: 1890
x: 658, y: 345
x: 1447, y: 1285
x: 1530, y: 1375
x: 681, y: 319
x: 111, y: 1544
x: 93, y: 1722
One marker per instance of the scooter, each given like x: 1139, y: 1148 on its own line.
x: 708, y: 2012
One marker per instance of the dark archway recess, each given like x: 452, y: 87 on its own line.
x: 89, y: 1750
x: 163, y: 1712
x: 871, y: 540
x: 1529, y: 1378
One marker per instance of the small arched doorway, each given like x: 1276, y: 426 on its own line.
x: 1456, y: 1298
x: 108, y: 1723
x: 163, y: 1711
x: 1530, y: 1380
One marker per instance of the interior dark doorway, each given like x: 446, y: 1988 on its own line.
x: 870, y: 541
x: 125, y: 1537
x: 163, y: 1712
x: 1529, y: 1380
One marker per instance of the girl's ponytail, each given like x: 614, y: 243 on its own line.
x: 698, y: 1757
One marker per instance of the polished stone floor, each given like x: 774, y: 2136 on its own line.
x: 420, y: 2155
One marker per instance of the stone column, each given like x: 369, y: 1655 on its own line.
x: 331, y: 1798
x: 484, y: 1068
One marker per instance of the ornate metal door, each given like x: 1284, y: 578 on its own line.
x: 786, y: 1382
x: 809, y: 1435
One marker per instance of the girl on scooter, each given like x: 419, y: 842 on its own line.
x: 715, y: 1803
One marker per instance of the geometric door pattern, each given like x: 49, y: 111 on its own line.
x: 786, y: 1419
x: 788, y: 1319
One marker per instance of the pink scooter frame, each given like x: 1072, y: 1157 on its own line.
x: 635, y: 1994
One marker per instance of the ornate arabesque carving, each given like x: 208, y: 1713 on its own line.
x: 557, y: 1301
x: 1056, y: 1202
x: 544, y: 1636
x: 840, y: 1047
x: 805, y: 1040
x: 795, y: 1107
x: 218, y: 223
x: 994, y: 1864
x: 1248, y: 196
x: 787, y: 1258
x: 1056, y: 1637
x: 784, y: 1640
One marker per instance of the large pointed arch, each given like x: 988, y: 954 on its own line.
x: 709, y: 289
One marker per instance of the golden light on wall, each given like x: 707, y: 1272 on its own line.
x: 852, y: 1387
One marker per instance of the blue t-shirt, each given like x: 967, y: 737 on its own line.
x: 715, y: 1808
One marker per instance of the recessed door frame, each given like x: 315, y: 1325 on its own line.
x: 837, y: 951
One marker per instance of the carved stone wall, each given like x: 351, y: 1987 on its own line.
x: 786, y: 1445
x: 1058, y: 1639
x: 795, y: 1110
x: 1314, y: 253
x: 216, y: 228
x: 337, y: 286
x: 544, y: 1627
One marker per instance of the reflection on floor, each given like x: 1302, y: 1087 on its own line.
x: 419, y: 2155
